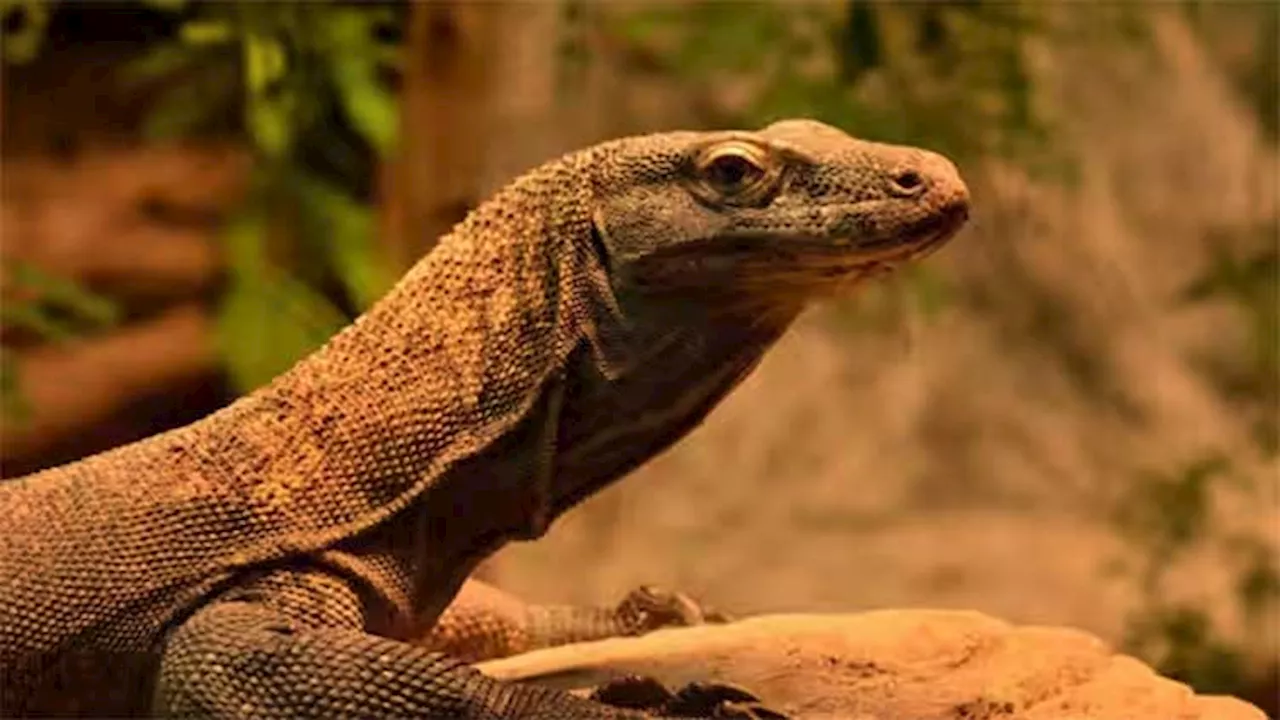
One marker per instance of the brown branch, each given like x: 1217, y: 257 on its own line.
x: 432, y: 182
x: 69, y: 388
x: 136, y: 221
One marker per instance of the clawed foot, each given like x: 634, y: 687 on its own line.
x: 718, y: 700
x: 649, y: 608
x: 695, y: 700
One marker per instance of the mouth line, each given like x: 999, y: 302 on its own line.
x: 824, y: 257
x: 919, y: 241
x: 887, y: 257
x: 935, y: 228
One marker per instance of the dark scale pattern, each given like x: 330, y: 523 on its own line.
x: 299, y: 657
x: 582, y: 320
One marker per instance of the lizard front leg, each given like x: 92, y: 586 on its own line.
x: 293, y: 645
x: 483, y: 622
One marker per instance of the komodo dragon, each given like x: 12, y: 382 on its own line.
x: 270, y: 560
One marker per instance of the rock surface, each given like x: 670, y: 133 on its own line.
x: 890, y: 664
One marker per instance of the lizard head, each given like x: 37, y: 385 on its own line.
x: 779, y: 215
x: 712, y: 243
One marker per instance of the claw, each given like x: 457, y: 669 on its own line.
x: 695, y: 700
x: 633, y: 692
x: 719, y: 700
x: 648, y: 608
x: 705, y: 694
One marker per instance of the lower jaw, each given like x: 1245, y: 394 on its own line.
x: 866, y: 271
x: 834, y: 278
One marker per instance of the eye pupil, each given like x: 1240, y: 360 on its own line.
x: 735, y: 173
x: 908, y: 180
x: 731, y: 171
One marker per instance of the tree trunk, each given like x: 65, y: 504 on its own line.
x: 432, y: 181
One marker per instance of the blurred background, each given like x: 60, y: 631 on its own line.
x: 1068, y: 416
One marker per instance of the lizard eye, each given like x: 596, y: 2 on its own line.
x: 906, y: 183
x: 737, y: 172
x: 731, y: 172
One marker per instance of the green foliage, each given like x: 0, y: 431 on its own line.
x: 259, y: 345
x: 298, y: 79
x: 166, y: 5
x: 24, y: 22
x: 284, y: 60
x: 270, y: 315
x: 1165, y: 517
x: 48, y: 307
x: 1180, y: 641
x: 950, y: 76
x: 354, y: 65
x: 13, y: 405
x: 51, y: 308
x: 1251, y: 284
x: 300, y: 75
x: 1169, y: 513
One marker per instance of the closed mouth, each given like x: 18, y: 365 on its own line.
x: 766, y: 255
x: 930, y: 231
x: 917, y: 241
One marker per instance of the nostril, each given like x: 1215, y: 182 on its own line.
x: 907, y: 182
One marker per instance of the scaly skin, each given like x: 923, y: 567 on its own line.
x: 485, y: 623
x: 270, y: 560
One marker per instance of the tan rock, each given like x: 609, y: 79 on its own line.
x: 890, y: 664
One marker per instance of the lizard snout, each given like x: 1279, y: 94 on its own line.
x: 937, y: 182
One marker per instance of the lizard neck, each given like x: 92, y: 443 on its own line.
x: 407, y: 406
x: 398, y: 423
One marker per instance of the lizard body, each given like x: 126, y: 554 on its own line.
x: 271, y: 559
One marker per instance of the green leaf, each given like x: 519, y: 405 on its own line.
x: 206, y: 32
x: 30, y: 17
x: 210, y: 83
x: 13, y: 404
x: 266, y: 324
x: 354, y: 56
x: 59, y: 310
x: 159, y: 62
x: 270, y: 122
x: 271, y: 103
x: 84, y: 306
x: 265, y: 63
x: 267, y: 320
x: 245, y: 239
x: 371, y: 108
x: 171, y: 6
x: 30, y: 316
x: 344, y: 228
x: 644, y: 25
x: 177, y: 113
